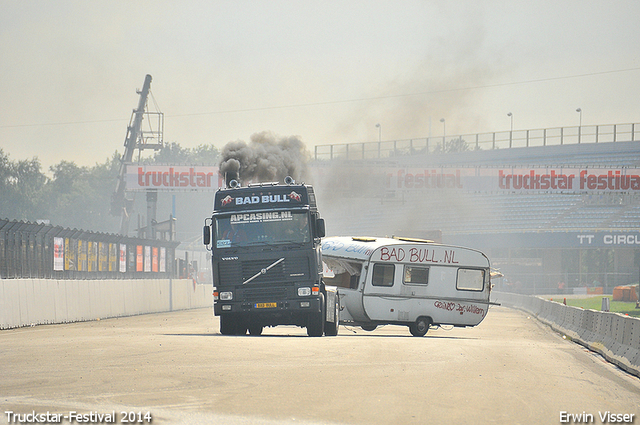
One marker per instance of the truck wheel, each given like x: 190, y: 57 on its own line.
x: 255, y: 330
x: 331, y: 328
x: 315, y: 321
x: 369, y: 327
x: 420, y: 327
x: 227, y: 325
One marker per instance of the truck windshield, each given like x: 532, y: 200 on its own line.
x: 272, y: 227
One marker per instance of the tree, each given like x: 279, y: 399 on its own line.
x: 21, y: 185
x: 65, y: 174
x: 453, y: 145
x: 79, y: 197
x: 173, y: 153
x: 206, y: 154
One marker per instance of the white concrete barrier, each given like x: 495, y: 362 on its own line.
x: 26, y: 302
x: 613, y: 335
x: 634, y: 355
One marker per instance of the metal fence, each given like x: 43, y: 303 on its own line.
x: 609, y: 133
x: 31, y: 250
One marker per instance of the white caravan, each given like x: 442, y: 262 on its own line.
x: 407, y: 282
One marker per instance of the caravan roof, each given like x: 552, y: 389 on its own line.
x: 408, y: 251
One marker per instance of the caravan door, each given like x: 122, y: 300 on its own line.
x: 348, y: 275
x: 351, y: 300
x: 382, y: 297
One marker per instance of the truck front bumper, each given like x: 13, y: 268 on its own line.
x: 299, y: 305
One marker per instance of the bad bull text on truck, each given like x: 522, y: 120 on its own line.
x: 265, y: 241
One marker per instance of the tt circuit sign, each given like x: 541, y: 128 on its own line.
x: 599, y: 239
x: 172, y: 178
x: 617, y: 240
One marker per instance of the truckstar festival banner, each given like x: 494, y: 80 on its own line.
x: 472, y: 179
x: 172, y: 178
x: 516, y: 179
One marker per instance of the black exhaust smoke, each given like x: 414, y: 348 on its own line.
x: 266, y: 158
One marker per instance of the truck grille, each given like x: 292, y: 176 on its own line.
x: 296, y: 268
x: 230, y: 273
x: 264, y: 294
x: 291, y: 269
x: 251, y: 268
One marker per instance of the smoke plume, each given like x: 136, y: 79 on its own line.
x: 266, y: 158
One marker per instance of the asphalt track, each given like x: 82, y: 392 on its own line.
x: 177, y: 367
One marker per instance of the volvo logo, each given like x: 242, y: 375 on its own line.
x: 229, y: 258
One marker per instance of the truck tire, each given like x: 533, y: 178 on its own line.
x: 369, y: 328
x: 315, y: 321
x: 420, y: 326
x: 331, y: 328
x: 227, y: 325
x: 255, y: 329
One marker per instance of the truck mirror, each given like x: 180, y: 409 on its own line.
x: 206, y: 235
x: 320, y: 229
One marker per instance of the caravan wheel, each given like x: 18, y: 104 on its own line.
x: 420, y: 327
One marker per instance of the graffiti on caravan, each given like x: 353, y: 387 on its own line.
x: 172, y: 177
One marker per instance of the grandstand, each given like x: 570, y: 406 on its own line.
x: 545, y: 238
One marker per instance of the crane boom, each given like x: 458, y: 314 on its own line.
x: 134, y: 131
x: 120, y: 205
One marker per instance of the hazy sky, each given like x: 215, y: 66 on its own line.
x: 327, y: 71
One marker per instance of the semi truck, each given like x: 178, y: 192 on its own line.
x: 265, y: 243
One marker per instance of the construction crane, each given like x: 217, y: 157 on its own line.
x: 139, y: 139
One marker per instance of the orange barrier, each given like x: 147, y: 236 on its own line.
x: 625, y: 293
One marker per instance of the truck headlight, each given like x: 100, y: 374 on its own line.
x: 226, y: 296
x: 304, y: 292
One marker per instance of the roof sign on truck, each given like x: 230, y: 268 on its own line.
x: 273, y: 197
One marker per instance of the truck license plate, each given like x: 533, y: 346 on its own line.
x: 265, y: 305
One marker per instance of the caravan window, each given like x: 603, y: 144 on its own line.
x: 416, y: 275
x: 383, y: 275
x: 470, y: 280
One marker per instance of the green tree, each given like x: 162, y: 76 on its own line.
x: 21, y: 185
x: 206, y: 154
x: 65, y: 175
x: 173, y: 153
x: 454, y: 145
x: 79, y: 197
x: 65, y: 195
